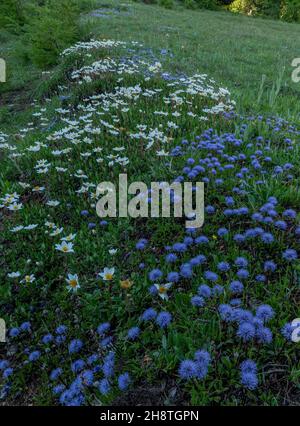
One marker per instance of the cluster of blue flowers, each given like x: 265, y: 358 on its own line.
x: 94, y: 372
x: 269, y: 230
x: 196, y: 368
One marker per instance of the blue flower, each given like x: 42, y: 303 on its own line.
x: 241, y: 262
x: 179, y: 247
x: 133, y: 333
x: 288, y: 329
x: 155, y: 274
x: 204, y: 291
x: 124, y: 381
x: 222, y: 232
x: 242, y: 315
x: 55, y: 374
x: 202, y: 370
x: 223, y: 266
x: 198, y: 301
x: 92, y: 359
x: 186, y: 271
x: 249, y: 380
x: 203, y: 357
x: 163, y: 319
x: 243, y: 274
x: 141, y: 244
x: 106, y: 341
x: 211, y: 276
x: 25, y: 326
x: 226, y: 312
x: 34, y: 356
x: 149, y: 314
x: 264, y: 312
x: 290, y: 255
x: 61, y: 329
x: 153, y: 290
x: 103, y: 328
x: 290, y: 214
x: 108, y: 365
x: 236, y: 287
x: 14, y: 332
x: 264, y: 335
x: 267, y: 238
x: 7, y: 372
x: 201, y: 240
x: 75, y: 346
x: 270, y: 266
x: 248, y: 366
x: 87, y: 377
x: 187, y: 369
x: 57, y: 390
x: 104, y: 387
x: 47, y: 339
x: 173, y: 277
x: 246, y: 331
x: 3, y: 364
x: 77, y: 365
x: 171, y: 258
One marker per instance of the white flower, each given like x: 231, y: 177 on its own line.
x: 57, y: 231
x: 28, y: 279
x: 73, y: 282
x: 52, y: 203
x: 69, y: 237
x: 14, y: 274
x: 17, y: 228
x: 15, y: 206
x: 38, y: 189
x: 65, y: 247
x: 112, y: 252
x: 30, y: 227
x: 163, y: 289
x: 107, y: 274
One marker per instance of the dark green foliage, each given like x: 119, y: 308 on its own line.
x: 12, y: 14
x: 59, y: 17
x: 46, y: 26
x: 167, y: 3
x: 288, y: 10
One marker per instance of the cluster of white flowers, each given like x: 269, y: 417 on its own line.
x: 103, y: 131
x: 87, y: 46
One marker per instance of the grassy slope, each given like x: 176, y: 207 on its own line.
x: 234, y: 49
x: 151, y: 25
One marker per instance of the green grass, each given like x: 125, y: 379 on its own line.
x: 235, y: 51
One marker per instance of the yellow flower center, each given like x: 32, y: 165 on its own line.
x: 27, y: 278
x: 73, y: 283
x: 108, y: 276
x: 65, y: 249
x: 162, y: 290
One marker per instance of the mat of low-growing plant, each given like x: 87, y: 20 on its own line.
x: 122, y: 310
